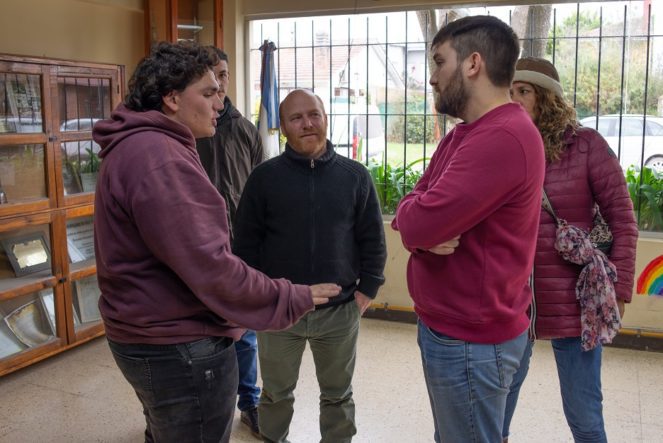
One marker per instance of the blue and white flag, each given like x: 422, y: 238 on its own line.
x: 268, y: 120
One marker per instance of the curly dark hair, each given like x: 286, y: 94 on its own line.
x: 169, y: 67
x: 555, y: 116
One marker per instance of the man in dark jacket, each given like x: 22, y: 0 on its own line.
x: 172, y: 293
x: 311, y: 215
x: 228, y: 158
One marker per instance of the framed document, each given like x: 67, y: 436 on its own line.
x: 75, y: 255
x: 47, y: 300
x: 86, y: 300
x: 9, y: 344
x: 80, y: 239
x: 27, y: 324
x: 28, y: 254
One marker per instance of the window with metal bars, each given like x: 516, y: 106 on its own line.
x: 372, y: 71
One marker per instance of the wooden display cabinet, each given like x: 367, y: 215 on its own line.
x: 48, y: 166
x: 177, y: 20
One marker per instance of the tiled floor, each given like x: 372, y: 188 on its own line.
x: 80, y: 396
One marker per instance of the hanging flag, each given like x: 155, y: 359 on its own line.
x: 268, y: 119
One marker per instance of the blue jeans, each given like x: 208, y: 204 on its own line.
x: 468, y: 384
x: 516, y: 384
x: 247, y: 365
x: 580, y: 385
x: 187, y: 390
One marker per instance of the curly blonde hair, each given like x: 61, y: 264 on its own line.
x: 554, y: 117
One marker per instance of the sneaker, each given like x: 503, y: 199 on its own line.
x: 250, y: 419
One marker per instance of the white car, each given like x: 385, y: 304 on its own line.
x: 20, y: 125
x: 79, y: 149
x: 365, y: 139
x: 630, y: 149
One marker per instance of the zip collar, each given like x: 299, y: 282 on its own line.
x: 310, y: 163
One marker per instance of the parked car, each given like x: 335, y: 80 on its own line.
x: 79, y: 149
x: 20, y: 125
x: 633, y: 126
x: 357, y: 132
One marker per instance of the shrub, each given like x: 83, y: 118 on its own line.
x: 646, y: 190
x: 415, y: 129
x: 392, y: 183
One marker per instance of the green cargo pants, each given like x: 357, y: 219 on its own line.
x: 332, y: 335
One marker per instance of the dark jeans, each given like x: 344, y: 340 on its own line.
x: 187, y: 390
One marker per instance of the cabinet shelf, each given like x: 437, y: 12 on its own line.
x: 14, y: 287
x: 82, y: 269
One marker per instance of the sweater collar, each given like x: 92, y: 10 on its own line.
x: 465, y: 128
x: 300, y: 159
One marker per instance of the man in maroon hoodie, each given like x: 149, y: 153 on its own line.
x: 173, y: 297
x: 484, y: 183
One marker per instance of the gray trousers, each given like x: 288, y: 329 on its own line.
x: 332, y: 336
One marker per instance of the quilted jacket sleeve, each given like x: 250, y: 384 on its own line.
x: 609, y: 189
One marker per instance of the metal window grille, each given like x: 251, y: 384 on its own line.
x: 372, y: 72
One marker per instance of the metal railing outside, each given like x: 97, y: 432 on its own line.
x: 372, y: 72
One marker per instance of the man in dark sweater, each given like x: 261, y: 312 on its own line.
x: 228, y: 158
x: 311, y: 215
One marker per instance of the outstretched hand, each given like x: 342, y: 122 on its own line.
x: 321, y: 293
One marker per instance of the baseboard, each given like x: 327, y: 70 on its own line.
x: 637, y: 341
x: 392, y: 315
x: 626, y: 340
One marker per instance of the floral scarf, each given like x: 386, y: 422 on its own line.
x: 595, y: 289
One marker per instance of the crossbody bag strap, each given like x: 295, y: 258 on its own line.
x: 545, y: 202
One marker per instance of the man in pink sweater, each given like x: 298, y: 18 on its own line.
x: 471, y: 224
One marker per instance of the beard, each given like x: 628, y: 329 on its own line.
x: 453, y: 99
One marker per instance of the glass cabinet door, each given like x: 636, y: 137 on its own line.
x: 25, y: 257
x: 184, y: 20
x: 85, y: 298
x: 82, y: 102
x: 20, y: 103
x: 27, y: 296
x: 82, y: 267
x: 23, y: 172
x: 80, y: 243
x: 27, y: 321
x: 195, y: 21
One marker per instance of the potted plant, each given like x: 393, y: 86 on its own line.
x: 392, y: 183
x: 88, y: 170
x: 646, y: 189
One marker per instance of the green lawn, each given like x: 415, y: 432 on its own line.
x: 414, y: 152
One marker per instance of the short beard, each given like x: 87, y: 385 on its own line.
x: 453, y: 99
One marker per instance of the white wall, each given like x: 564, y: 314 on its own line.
x: 103, y: 31
x: 644, y: 313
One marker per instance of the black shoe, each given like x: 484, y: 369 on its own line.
x: 250, y: 419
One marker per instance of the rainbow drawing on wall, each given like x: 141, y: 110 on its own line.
x: 650, y: 281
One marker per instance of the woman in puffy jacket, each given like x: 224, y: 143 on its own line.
x: 581, y: 172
